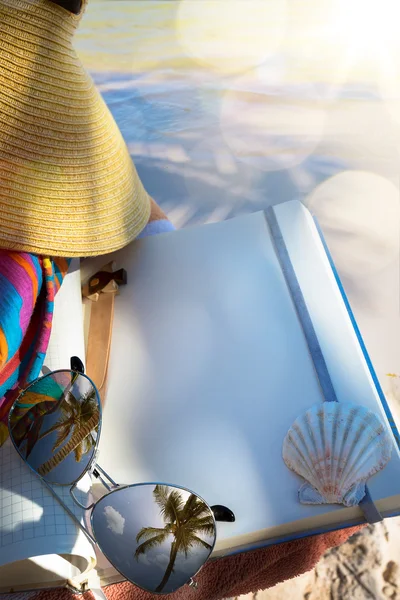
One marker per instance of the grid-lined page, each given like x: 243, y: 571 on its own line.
x: 32, y: 522
x: 29, y: 512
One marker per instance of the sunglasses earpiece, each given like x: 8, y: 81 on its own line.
x: 223, y: 513
x: 77, y: 365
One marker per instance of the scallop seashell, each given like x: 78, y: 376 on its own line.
x: 336, y: 447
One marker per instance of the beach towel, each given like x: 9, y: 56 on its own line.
x: 28, y: 284
x: 226, y: 577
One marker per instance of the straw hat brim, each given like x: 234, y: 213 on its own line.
x: 68, y: 186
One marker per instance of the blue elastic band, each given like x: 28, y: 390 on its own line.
x: 156, y: 227
x: 367, y: 505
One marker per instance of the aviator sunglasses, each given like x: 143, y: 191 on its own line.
x: 157, y: 535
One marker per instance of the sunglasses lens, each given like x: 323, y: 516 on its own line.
x: 157, y: 536
x: 53, y: 425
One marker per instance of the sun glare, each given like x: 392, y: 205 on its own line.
x: 365, y: 26
x: 231, y: 36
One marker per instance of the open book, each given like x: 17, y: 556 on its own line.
x: 209, y: 367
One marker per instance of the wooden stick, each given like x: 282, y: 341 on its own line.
x: 101, y: 289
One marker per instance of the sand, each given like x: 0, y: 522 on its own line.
x: 367, y: 566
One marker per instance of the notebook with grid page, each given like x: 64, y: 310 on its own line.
x: 40, y: 546
x: 209, y: 367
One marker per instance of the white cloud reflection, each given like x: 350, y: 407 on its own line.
x: 158, y: 559
x: 115, y: 521
x: 161, y: 559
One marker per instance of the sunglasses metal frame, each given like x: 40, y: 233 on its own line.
x: 93, y: 468
x: 190, y: 581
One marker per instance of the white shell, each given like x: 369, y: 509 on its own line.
x: 335, y: 447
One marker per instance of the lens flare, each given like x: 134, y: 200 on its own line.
x: 272, y: 129
x: 359, y: 215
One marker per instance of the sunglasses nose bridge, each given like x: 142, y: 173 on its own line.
x: 98, y: 476
x: 101, y: 474
x: 75, y: 499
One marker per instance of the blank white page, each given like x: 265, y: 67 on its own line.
x: 207, y: 354
x: 66, y: 337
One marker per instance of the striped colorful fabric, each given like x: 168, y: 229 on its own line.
x: 28, y: 284
x: 32, y: 406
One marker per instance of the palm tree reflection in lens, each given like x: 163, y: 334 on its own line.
x: 79, y: 418
x: 57, y: 418
x: 185, y: 521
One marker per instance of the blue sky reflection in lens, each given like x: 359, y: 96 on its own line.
x: 156, y: 535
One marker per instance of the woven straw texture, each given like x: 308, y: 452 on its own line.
x: 68, y: 186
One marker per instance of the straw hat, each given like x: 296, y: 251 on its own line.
x: 68, y: 186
